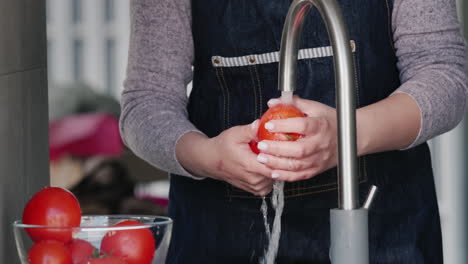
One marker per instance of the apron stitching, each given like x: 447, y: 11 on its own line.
x: 356, y: 82
x: 293, y: 195
x: 228, y: 100
x: 315, y: 192
x: 259, y: 90
x: 256, y: 111
x: 357, y: 67
x: 228, y: 186
x: 389, y: 29
x: 224, y: 98
x: 310, y: 187
x: 286, y: 196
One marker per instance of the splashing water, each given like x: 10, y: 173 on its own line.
x: 264, y: 210
x: 277, y: 201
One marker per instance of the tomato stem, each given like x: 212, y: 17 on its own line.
x: 95, y: 253
x: 288, y: 136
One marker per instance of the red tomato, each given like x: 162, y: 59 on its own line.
x: 253, y: 146
x: 106, y: 260
x: 55, y: 207
x: 137, y: 246
x: 81, y: 250
x: 280, y: 111
x: 49, y: 252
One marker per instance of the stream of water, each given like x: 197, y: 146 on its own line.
x: 277, y: 201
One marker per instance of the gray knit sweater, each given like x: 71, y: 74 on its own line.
x: 427, y: 38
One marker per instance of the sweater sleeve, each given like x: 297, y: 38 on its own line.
x: 432, y: 64
x: 154, y: 99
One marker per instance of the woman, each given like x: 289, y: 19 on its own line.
x: 411, y: 86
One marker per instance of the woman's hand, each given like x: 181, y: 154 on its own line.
x: 226, y: 157
x: 310, y: 155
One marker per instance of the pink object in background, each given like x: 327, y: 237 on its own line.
x: 85, y: 135
x: 157, y: 191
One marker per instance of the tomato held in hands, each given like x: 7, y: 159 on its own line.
x: 81, y: 250
x: 49, y: 252
x: 106, y: 260
x: 280, y: 111
x: 54, y: 207
x: 253, y: 147
x: 137, y: 246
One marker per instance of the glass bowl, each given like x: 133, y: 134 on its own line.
x: 93, y: 228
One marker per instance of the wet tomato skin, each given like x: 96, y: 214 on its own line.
x: 281, y: 111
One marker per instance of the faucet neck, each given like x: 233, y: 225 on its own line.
x: 344, y: 84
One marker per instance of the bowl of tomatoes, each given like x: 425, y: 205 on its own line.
x: 53, y: 231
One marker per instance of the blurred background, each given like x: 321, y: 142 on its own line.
x: 87, y: 44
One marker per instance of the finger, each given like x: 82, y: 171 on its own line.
x: 254, y: 126
x: 273, y: 102
x: 290, y: 164
x: 253, y: 167
x: 293, y: 149
x: 243, y: 186
x: 255, y: 179
x: 300, y: 125
x: 264, y: 187
x: 246, y: 133
x: 276, y: 101
x: 292, y: 176
x: 249, y: 181
x: 301, y: 103
x: 304, y: 104
x: 310, y: 107
x: 263, y: 192
x: 261, y: 188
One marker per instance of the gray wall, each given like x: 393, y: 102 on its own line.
x: 24, y: 166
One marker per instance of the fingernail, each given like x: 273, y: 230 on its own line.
x: 269, y: 126
x: 262, y: 158
x: 262, y: 145
x: 275, y: 175
x: 272, y: 102
x: 254, y: 124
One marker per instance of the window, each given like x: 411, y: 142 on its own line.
x: 77, y: 11
x: 77, y: 59
x: 109, y: 10
x: 110, y: 65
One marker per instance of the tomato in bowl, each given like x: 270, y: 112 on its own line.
x: 88, y: 239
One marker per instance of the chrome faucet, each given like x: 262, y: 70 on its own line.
x: 344, y: 76
x: 349, y: 223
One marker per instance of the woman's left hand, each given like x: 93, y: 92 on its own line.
x: 310, y: 155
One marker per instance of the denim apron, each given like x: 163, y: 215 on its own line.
x: 235, y: 74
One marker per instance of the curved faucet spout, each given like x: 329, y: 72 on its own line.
x: 344, y: 83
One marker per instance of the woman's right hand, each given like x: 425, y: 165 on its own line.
x: 226, y: 157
